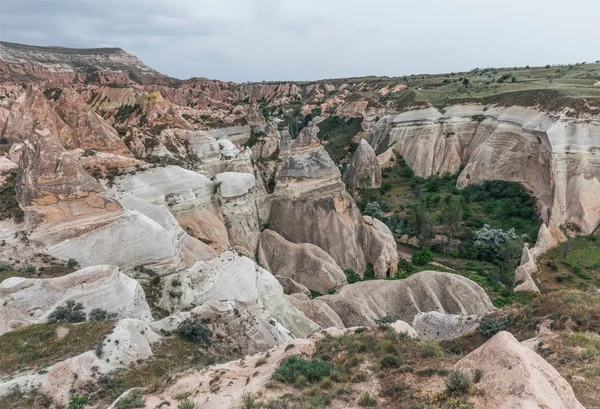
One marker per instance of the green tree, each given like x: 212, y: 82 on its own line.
x: 509, y: 259
x: 451, y: 218
x: 292, y: 123
x: 422, y: 225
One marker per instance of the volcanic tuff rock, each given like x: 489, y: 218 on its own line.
x: 515, y: 377
x: 244, y: 325
x: 361, y: 304
x: 363, y: 170
x: 33, y: 111
x: 317, y: 310
x: 441, y: 327
x: 230, y: 277
x: 305, y: 263
x: 553, y: 156
x: 25, y: 301
x: 310, y: 205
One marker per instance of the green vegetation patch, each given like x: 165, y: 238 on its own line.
x: 9, y: 207
x: 338, y: 133
x: 37, y: 346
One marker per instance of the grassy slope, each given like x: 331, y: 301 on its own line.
x: 35, y: 347
x: 552, y: 87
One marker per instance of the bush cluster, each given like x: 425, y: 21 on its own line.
x: 194, y: 330
x: 295, y: 366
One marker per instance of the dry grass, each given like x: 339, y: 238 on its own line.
x: 37, y: 346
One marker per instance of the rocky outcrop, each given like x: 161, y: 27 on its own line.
x: 61, y: 65
x: 524, y: 273
x: 361, y: 304
x: 89, y: 130
x: 310, y: 205
x: 317, y: 310
x: 551, y: 155
x: 380, y: 247
x: 514, y: 377
x: 304, y: 263
x: 442, y: 327
x: 33, y: 111
x: 132, y: 343
x: 242, y: 325
x: 25, y: 301
x: 254, y: 117
x: 363, y: 170
x: 230, y: 277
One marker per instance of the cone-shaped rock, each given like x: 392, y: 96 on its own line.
x: 364, y: 170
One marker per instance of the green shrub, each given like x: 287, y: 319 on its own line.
x: 72, y: 263
x: 69, y: 312
x: 351, y: 276
x: 194, y: 330
x: 78, y: 402
x: 248, y: 400
x: 367, y: 400
x: 295, y: 366
x: 457, y: 382
x: 386, y: 320
x: 385, y: 187
x: 29, y: 270
x: 422, y: 257
x: 390, y: 361
x: 488, y: 327
x: 133, y: 400
x: 5, y: 267
x: 186, y: 404
x: 155, y: 280
x: 431, y: 349
x: 98, y: 314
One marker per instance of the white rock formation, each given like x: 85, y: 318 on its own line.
x: 25, y: 301
x: 441, y: 327
x: 552, y: 156
x: 515, y: 377
x: 230, y: 277
x: 304, y: 263
x: 361, y: 304
x: 242, y: 325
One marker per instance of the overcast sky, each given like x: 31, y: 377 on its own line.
x: 254, y: 40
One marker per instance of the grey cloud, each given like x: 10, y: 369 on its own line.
x: 311, y: 39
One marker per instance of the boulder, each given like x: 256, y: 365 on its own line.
x: 25, y: 301
x: 364, y: 170
x: 362, y: 303
x: 401, y: 327
x: 304, y: 263
x: 515, y: 377
x: 442, y: 327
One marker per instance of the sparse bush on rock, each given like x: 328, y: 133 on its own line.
x: 71, y: 311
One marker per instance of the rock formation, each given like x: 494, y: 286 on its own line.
x: 361, y: 304
x: 25, y: 301
x: 234, y: 278
x: 304, y: 263
x: 513, y: 376
x: 363, y: 171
